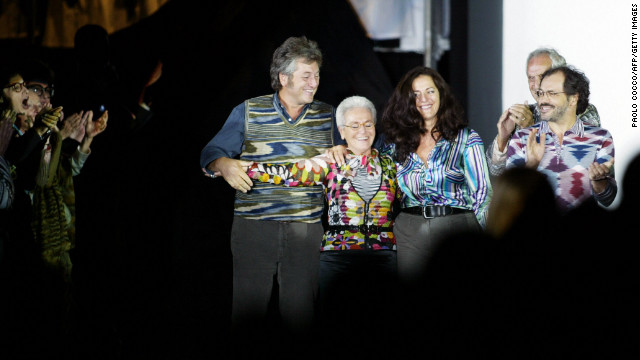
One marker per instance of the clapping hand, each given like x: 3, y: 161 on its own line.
x: 535, y: 149
x: 517, y: 114
x: 7, y: 118
x: 93, y: 128
x: 73, y: 126
x: 599, y: 172
x: 8, y: 115
x: 49, y: 117
x: 521, y: 115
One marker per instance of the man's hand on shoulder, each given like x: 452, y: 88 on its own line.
x: 336, y: 154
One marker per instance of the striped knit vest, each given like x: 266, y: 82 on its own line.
x: 269, y: 137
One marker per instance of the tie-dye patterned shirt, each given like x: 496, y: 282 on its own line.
x: 497, y: 159
x: 566, y: 165
x: 456, y: 174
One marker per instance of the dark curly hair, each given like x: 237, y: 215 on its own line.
x: 575, y: 83
x: 402, y: 123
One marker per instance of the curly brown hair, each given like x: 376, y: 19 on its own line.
x: 402, y: 123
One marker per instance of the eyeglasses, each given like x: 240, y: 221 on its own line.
x: 354, y: 126
x: 40, y: 91
x: 17, y: 87
x: 541, y: 93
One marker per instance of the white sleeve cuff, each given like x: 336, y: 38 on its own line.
x: 496, y: 154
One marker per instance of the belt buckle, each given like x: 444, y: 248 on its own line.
x: 366, y: 229
x: 424, y: 213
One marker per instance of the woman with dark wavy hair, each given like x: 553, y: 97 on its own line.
x: 442, y: 172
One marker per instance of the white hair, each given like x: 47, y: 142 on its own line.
x: 557, y: 60
x: 351, y: 103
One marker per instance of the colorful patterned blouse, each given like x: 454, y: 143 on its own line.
x: 353, y: 222
x: 566, y: 165
x: 456, y: 174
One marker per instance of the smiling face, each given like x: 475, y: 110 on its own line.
x: 427, y: 97
x: 17, y: 99
x: 555, y: 107
x: 300, y: 88
x: 358, y: 140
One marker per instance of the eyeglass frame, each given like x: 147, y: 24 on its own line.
x: 49, y: 89
x: 23, y: 85
x: 366, y: 125
x: 540, y: 93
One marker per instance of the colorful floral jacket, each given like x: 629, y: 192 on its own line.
x: 353, y: 223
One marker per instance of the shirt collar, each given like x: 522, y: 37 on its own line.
x: 278, y: 105
x: 374, y: 154
x: 577, y: 128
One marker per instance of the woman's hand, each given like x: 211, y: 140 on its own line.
x: 73, y: 127
x: 7, y: 118
x: 93, y: 128
x: 49, y: 117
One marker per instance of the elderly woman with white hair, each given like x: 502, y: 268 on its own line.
x: 358, y: 257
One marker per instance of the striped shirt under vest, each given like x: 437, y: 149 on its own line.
x: 269, y: 137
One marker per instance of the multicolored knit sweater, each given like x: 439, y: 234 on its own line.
x: 354, y: 223
x: 269, y: 137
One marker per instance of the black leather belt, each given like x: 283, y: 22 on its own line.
x: 365, y: 229
x: 432, y: 211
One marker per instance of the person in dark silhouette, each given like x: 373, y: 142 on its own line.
x: 600, y: 270
x: 520, y: 195
x: 95, y: 83
x: 521, y: 263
